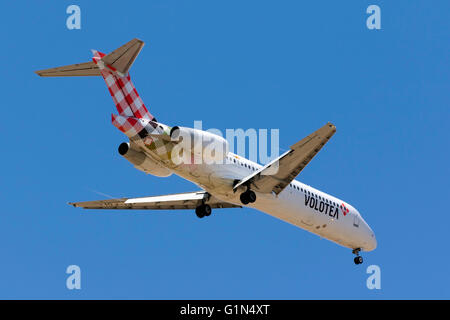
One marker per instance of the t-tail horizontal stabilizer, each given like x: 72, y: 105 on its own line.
x: 113, y: 68
x: 120, y: 61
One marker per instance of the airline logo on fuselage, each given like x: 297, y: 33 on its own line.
x: 325, y: 208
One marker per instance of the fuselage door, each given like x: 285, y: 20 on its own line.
x: 356, y: 220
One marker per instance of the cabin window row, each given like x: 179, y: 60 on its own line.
x: 244, y: 164
x: 312, y: 194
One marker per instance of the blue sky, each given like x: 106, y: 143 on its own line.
x: 288, y: 65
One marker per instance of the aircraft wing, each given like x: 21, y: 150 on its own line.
x: 188, y: 200
x: 276, y: 175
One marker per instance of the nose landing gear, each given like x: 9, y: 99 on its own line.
x: 358, y: 259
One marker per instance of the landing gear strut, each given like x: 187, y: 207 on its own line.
x: 248, y: 197
x: 203, y: 210
x: 358, y: 259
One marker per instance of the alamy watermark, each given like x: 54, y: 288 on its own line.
x: 374, y: 280
x: 211, y: 146
x: 373, y: 22
x: 74, y: 20
x: 73, y: 281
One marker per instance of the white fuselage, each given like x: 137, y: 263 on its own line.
x: 298, y: 204
x: 152, y: 145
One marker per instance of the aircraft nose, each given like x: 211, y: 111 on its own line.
x: 372, y: 241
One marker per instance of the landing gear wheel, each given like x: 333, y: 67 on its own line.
x: 244, y: 198
x: 358, y: 260
x: 203, y: 210
x: 207, y: 210
x: 199, y: 212
x: 251, y: 196
x: 248, y: 197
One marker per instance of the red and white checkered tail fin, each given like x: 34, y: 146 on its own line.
x: 114, y: 69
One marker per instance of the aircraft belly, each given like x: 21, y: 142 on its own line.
x: 287, y: 206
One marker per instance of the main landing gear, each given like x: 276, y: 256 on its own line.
x: 248, y: 197
x: 358, y: 259
x: 203, y: 210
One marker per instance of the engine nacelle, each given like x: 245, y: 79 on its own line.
x: 204, y: 145
x: 142, y: 162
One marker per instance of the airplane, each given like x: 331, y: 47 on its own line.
x: 233, y: 182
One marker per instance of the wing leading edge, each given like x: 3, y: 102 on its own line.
x: 188, y: 200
